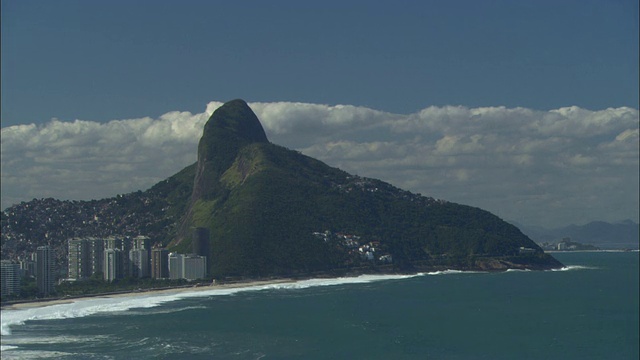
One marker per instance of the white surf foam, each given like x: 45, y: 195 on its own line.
x: 78, y: 308
x: 86, y: 307
x: 362, y: 279
x: 164, y: 311
x: 453, y: 272
x: 60, y: 339
x: 574, y: 267
x: 28, y: 355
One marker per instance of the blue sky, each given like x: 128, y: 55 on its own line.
x: 526, y: 108
x: 102, y: 60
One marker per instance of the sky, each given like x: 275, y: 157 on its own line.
x: 528, y: 109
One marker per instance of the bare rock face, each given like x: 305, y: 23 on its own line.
x: 230, y: 127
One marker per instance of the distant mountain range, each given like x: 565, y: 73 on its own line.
x: 605, y: 235
x: 260, y: 209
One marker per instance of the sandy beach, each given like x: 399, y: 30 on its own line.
x: 37, y: 304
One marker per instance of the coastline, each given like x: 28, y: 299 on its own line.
x: 483, y: 265
x: 175, y: 290
x: 341, y: 311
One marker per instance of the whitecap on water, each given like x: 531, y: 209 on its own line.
x: 575, y: 267
x: 452, y: 272
x: 29, y: 354
x: 62, y: 339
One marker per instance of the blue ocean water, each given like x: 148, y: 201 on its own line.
x: 589, y: 310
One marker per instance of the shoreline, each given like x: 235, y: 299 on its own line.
x: 173, y: 290
x: 483, y: 265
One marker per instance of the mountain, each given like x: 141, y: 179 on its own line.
x: 263, y: 203
x: 271, y: 211
x: 620, y: 235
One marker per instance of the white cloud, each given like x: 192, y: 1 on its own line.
x: 85, y: 159
x: 536, y: 167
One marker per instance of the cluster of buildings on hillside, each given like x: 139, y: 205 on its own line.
x: 110, y: 258
x: 356, y: 246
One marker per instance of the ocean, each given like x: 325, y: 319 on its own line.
x: 588, y: 310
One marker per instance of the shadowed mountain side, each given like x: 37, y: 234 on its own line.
x: 229, y: 129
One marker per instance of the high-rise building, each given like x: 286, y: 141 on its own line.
x: 9, y: 278
x: 159, y: 263
x: 113, y: 264
x: 189, y: 266
x: 139, y: 259
x: 45, y: 270
x: 27, y: 268
x: 79, y: 263
x: 113, y: 242
x: 175, y: 266
x: 141, y: 242
x: 194, y: 267
x: 96, y: 256
x: 124, y: 245
x: 200, y: 243
x: 86, y: 258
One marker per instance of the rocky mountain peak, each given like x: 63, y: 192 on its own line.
x: 231, y: 127
x: 234, y: 119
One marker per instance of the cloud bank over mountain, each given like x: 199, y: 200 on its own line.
x: 549, y: 168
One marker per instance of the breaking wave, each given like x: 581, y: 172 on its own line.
x: 575, y: 267
x: 98, y: 305
x: 453, y: 272
x: 91, y: 306
x: 40, y: 354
